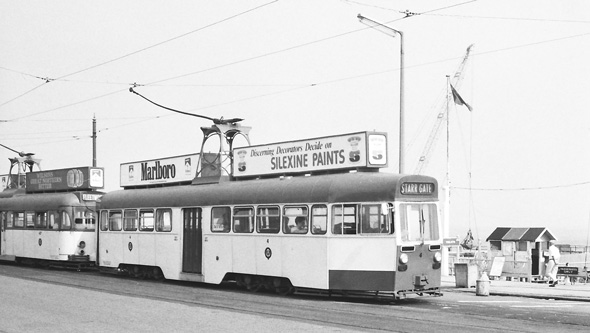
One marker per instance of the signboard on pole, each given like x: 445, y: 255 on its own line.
x: 348, y: 151
x: 450, y: 241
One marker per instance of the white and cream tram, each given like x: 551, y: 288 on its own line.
x: 53, y: 221
x: 348, y: 231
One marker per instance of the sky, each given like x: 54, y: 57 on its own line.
x: 302, y: 69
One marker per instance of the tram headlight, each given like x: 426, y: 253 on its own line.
x: 403, y: 258
x: 82, y: 244
x: 437, y: 257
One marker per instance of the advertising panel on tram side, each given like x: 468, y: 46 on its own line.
x: 159, y: 171
x: 82, y: 178
x: 168, y: 170
x: 362, y: 150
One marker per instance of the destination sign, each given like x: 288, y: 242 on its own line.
x: 414, y: 188
x: 91, y: 196
x: 349, y: 151
x: 82, y: 178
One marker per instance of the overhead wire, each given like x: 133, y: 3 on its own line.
x: 523, y: 188
x: 47, y: 80
x: 168, y: 40
x: 267, y: 54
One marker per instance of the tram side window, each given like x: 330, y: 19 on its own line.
x: 243, y: 220
x: 146, y: 220
x: 53, y: 220
x: 9, y: 219
x: 115, y: 219
x: 319, y: 219
x: 373, y: 220
x: 295, y: 220
x: 19, y: 219
x: 104, y: 220
x: 7, y: 216
x: 130, y: 220
x: 41, y: 220
x: 164, y: 220
x: 220, y: 219
x: 268, y: 220
x: 344, y: 218
x: 30, y: 219
x: 66, y: 222
x: 3, y: 223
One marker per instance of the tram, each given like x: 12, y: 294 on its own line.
x: 52, y: 221
x: 344, y: 231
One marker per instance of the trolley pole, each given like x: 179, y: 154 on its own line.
x: 94, y: 141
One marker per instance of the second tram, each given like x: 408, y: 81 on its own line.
x: 359, y: 231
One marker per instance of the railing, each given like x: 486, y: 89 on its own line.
x: 573, y: 249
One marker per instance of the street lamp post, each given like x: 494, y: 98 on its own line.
x: 392, y: 32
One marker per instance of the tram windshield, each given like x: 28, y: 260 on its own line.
x: 419, y: 222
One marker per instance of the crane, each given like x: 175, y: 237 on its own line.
x: 456, y: 82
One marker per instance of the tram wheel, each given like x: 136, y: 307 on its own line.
x: 253, y: 284
x: 283, y: 287
x: 157, y: 274
x: 284, y: 291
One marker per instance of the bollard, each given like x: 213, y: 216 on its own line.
x: 482, y: 285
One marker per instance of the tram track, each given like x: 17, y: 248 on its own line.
x: 410, y: 315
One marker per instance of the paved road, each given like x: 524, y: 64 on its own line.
x: 58, y: 301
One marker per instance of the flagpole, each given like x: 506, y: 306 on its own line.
x: 447, y: 203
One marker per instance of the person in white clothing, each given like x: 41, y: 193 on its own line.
x: 553, y: 263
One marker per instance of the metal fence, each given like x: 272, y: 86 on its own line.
x: 566, y: 248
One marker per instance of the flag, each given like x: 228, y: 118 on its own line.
x: 458, y: 99
x: 467, y: 242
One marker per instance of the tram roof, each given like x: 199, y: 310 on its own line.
x: 346, y: 187
x: 21, y: 201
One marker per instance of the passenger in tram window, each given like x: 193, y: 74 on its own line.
x: 300, y: 225
x: 221, y: 224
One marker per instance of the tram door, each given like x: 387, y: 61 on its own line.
x: 191, y: 251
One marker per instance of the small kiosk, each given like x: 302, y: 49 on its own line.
x: 523, y: 252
